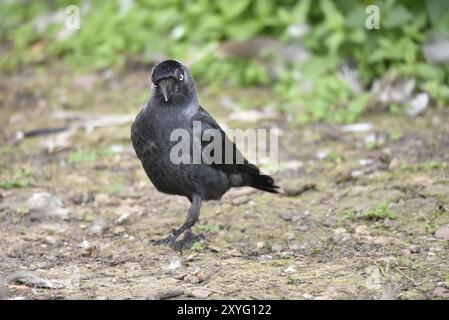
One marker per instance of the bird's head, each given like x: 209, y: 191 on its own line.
x: 172, y: 83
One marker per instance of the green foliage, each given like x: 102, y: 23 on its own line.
x: 115, y: 188
x: 88, y: 155
x: 318, y: 95
x: 23, y: 209
x: 379, y: 213
x: 20, y: 179
x: 198, y: 247
x: 426, y: 166
x: 81, y: 156
x: 211, y: 228
x: 112, y: 35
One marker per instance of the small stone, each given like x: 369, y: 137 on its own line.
x: 296, y: 188
x: 290, y: 269
x: 442, y: 233
x: 43, y: 265
x: 390, y: 224
x: 405, y: 252
x: 44, y: 203
x: 124, y: 217
x: 290, y: 236
x: 286, y: 216
x: 166, y: 294
x: 192, y: 279
x: 362, y: 229
x: 441, y: 292
x: 97, y: 227
x: 119, y: 229
x: 422, y: 182
x: 307, y: 296
x: 394, y: 164
x: 51, y: 240
x: 418, y: 104
x: 102, y: 199
x: 260, y: 244
x: 200, y: 293
x: 357, y: 127
x: 366, y: 162
x: 276, y: 247
x: 294, y: 165
x: 414, y: 248
x: 322, y: 154
x: 340, y: 231
x: 175, y: 263
x: 202, y: 276
x: 84, y: 245
x: 297, y: 247
x: 240, y: 200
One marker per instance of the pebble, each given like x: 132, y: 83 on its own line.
x: 276, y: 247
x: 166, y: 294
x: 286, y: 216
x: 44, y: 203
x: 192, y: 279
x: 102, y: 199
x: 293, y: 165
x: 442, y: 233
x: 394, y: 164
x: 200, y: 293
x: 290, y: 269
x: 307, y: 296
x: 441, y: 292
x: 124, y: 217
x: 289, y: 235
x: 240, y: 200
x: 97, y: 227
x: 51, y: 240
x: 174, y: 264
x: 295, y: 188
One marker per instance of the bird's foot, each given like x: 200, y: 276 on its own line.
x: 167, y: 240
x: 186, y: 242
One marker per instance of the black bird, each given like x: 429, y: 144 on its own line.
x: 173, y: 105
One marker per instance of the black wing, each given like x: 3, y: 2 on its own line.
x: 239, y: 165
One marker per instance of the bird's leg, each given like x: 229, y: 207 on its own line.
x: 192, y: 217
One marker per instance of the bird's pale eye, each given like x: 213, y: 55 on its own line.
x: 181, y: 77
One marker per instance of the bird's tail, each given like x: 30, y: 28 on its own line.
x: 263, y: 182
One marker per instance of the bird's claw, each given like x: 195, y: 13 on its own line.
x: 167, y: 240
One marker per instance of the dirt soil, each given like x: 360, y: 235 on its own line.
x: 363, y: 214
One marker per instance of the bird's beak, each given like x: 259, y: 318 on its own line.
x: 165, y: 85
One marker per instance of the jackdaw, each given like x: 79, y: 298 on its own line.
x: 173, y: 105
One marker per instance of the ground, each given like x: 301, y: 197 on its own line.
x: 362, y: 216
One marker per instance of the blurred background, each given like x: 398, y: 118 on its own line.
x: 318, y: 59
x: 358, y: 90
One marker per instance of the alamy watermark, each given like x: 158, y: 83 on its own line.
x: 227, y: 147
x: 372, y: 21
x: 72, y: 17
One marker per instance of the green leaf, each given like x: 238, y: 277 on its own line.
x: 397, y: 16
x: 231, y: 9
